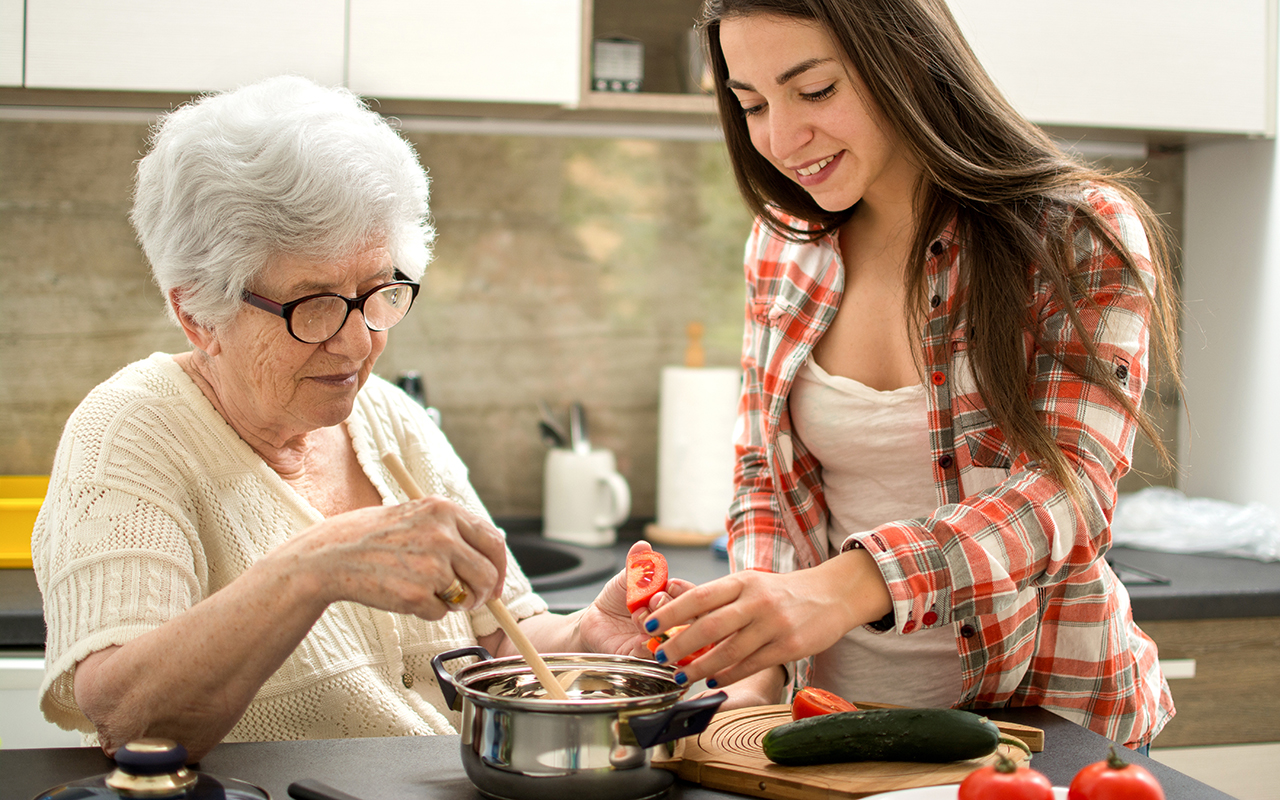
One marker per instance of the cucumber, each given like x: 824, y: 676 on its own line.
x: 931, y: 735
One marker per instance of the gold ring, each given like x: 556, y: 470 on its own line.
x: 455, y: 594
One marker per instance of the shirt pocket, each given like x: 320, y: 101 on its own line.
x: 982, y: 440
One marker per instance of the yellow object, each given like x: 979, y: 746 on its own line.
x: 20, y: 499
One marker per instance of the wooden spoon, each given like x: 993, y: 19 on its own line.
x: 495, y: 606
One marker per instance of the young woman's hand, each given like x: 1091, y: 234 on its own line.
x: 758, y: 620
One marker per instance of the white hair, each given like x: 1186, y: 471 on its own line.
x: 283, y: 166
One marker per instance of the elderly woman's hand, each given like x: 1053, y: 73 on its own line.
x: 400, y: 558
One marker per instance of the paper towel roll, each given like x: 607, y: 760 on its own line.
x: 696, y: 414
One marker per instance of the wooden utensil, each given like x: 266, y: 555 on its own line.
x: 495, y: 606
x: 729, y: 756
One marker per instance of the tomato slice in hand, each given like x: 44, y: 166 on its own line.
x: 814, y: 702
x: 646, y: 576
x: 660, y: 639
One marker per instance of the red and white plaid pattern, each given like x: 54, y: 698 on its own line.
x: 1007, y: 559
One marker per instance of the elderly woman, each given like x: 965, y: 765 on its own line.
x: 222, y: 554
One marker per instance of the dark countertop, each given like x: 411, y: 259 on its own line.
x: 1198, y: 587
x: 430, y: 767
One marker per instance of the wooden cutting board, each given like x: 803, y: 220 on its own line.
x: 728, y: 756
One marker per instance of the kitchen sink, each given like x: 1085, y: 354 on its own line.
x: 554, y: 565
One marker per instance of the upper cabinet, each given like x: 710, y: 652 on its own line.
x: 1180, y: 65
x: 664, y: 30
x: 1149, y: 65
x: 11, y: 42
x: 521, y: 51
x: 161, y: 45
x: 1158, y: 65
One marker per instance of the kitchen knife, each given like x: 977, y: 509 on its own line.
x: 550, y: 427
x: 578, y: 438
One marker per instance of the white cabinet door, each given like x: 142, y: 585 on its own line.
x: 1184, y: 65
x: 22, y: 725
x: 523, y: 51
x: 161, y: 45
x: 11, y: 12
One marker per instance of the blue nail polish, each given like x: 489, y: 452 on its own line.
x: 711, y: 683
x: 660, y: 657
x: 651, y: 625
x: 681, y: 678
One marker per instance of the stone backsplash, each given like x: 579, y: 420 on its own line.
x: 566, y: 269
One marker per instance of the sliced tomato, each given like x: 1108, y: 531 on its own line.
x: 659, y: 639
x: 814, y: 702
x: 646, y: 576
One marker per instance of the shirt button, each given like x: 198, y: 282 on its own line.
x: 929, y: 618
x: 935, y: 301
x: 938, y: 378
x: 967, y: 631
x: 407, y: 680
x: 936, y: 248
x: 908, y: 626
x: 945, y: 462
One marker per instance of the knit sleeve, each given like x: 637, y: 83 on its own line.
x: 113, y: 557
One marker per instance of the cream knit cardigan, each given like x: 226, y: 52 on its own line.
x: 155, y: 503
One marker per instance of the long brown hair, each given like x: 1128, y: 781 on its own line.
x: 1010, y: 190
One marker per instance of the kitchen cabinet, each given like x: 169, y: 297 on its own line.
x: 1143, y: 65
x: 11, y: 22
x: 664, y: 27
x: 22, y: 725
x: 155, y: 45
x: 1147, y: 64
x: 1232, y: 697
x: 519, y: 51
x: 1154, y: 65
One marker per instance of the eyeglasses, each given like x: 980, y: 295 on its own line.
x: 317, y: 318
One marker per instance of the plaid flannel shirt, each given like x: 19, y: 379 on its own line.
x: 1007, y: 560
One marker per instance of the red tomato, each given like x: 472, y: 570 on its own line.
x: 658, y: 640
x: 1114, y: 779
x: 1004, y: 780
x: 646, y: 576
x: 814, y: 702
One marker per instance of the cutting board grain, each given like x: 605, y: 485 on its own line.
x: 727, y: 756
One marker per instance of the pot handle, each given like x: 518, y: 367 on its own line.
x: 448, y: 686
x: 682, y: 719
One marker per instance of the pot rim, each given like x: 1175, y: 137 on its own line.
x: 464, y: 678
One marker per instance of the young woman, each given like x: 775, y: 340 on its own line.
x: 948, y: 326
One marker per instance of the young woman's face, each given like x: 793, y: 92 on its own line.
x: 809, y: 113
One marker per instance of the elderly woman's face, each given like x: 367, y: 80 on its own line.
x: 281, y: 387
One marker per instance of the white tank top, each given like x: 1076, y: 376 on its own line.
x: 874, y: 451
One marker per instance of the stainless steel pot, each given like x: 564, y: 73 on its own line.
x: 517, y: 744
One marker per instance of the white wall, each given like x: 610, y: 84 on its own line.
x: 1231, y: 327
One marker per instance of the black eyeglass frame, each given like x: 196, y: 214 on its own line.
x: 285, y: 310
